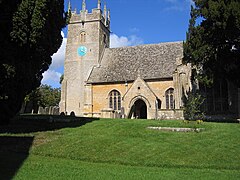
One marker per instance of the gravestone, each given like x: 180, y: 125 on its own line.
x: 41, y: 110
x: 51, y: 110
x: 55, y: 110
x: 46, y: 110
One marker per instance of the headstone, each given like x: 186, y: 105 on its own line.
x: 51, y: 110
x: 55, y: 110
x: 62, y: 114
x: 46, y: 110
x: 41, y: 110
x: 72, y: 114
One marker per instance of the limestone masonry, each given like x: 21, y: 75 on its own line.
x: 132, y: 82
x: 147, y: 81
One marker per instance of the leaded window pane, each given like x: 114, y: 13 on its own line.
x: 170, y: 99
x: 115, y: 100
x: 171, y: 102
x: 167, y: 101
x: 110, y: 102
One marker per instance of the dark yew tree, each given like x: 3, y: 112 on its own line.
x: 213, y: 40
x: 30, y: 34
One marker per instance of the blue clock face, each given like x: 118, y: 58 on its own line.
x: 82, y: 51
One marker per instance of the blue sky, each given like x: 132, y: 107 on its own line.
x: 133, y: 22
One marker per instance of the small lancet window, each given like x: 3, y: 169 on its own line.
x: 82, y: 37
x: 170, y: 99
x: 115, y: 100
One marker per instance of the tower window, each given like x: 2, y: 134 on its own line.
x: 82, y: 37
x: 170, y: 98
x: 115, y: 100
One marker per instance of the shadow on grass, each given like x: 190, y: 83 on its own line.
x: 14, y: 149
x: 38, y: 123
x: 13, y: 152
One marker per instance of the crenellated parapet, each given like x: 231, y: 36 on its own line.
x: 95, y: 15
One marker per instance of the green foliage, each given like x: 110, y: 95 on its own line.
x: 213, y: 45
x: 44, y: 96
x: 192, y: 107
x: 49, y: 96
x: 30, y: 35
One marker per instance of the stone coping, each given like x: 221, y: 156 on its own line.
x: 174, y: 129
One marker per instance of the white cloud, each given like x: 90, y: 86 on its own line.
x: 178, y: 5
x: 116, y: 41
x: 52, y: 75
x: 58, y: 57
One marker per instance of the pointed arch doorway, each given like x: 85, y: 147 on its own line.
x: 138, y: 110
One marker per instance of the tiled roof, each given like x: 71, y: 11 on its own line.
x: 152, y: 61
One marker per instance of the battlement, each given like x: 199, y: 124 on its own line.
x: 96, y: 15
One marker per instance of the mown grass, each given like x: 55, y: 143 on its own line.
x: 38, y: 167
x: 126, y: 149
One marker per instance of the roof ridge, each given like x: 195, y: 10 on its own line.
x: 141, y: 45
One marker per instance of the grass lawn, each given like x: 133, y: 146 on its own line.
x: 123, y: 149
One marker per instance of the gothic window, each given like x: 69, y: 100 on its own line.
x: 170, y: 98
x: 82, y: 37
x: 115, y: 100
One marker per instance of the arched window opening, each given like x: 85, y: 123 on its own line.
x: 115, y: 100
x: 82, y: 37
x: 170, y: 98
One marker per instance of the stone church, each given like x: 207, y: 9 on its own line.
x: 145, y: 81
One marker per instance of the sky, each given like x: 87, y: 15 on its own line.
x: 133, y: 22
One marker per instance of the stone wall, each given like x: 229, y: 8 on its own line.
x: 174, y: 114
x: 130, y: 92
x: 100, y: 94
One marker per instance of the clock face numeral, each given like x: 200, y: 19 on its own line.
x: 82, y: 51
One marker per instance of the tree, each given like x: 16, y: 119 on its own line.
x: 49, y: 96
x: 44, y: 96
x: 30, y: 34
x: 213, y: 44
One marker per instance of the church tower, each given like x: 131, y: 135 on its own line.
x: 88, y: 36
